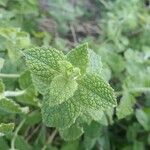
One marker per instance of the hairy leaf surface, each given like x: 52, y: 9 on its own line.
x: 61, y: 116
x: 43, y: 63
x: 95, y: 93
x: 61, y: 89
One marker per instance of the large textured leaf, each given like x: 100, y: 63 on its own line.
x: 71, y: 133
x: 61, y: 116
x: 61, y: 89
x: 79, y: 57
x: 10, y: 106
x: 6, y: 128
x: 95, y: 93
x: 43, y: 63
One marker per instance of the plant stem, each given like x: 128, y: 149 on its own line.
x: 3, y: 75
x: 14, y: 93
x: 15, y: 134
x: 138, y: 89
x: 50, y: 139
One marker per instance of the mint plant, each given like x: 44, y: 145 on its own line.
x: 72, y: 86
x: 58, y: 96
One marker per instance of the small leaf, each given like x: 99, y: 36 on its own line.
x: 125, y: 107
x: 92, y: 130
x: 30, y: 96
x: 72, y: 133
x: 79, y: 57
x: 25, y: 79
x: 143, y: 119
x: 10, y: 106
x: 6, y: 128
x: 61, y: 89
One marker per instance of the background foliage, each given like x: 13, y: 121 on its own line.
x: 118, y: 30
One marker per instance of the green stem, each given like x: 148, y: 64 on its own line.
x: 14, y: 93
x: 139, y: 89
x: 3, y: 75
x: 15, y: 134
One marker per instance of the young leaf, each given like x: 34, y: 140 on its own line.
x: 11, y: 107
x: 6, y: 128
x: 72, y: 133
x: 79, y: 57
x: 61, y: 89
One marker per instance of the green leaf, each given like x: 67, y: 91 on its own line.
x: 143, y: 119
x: 79, y: 57
x: 30, y: 96
x: 22, y: 144
x: 125, y: 107
x: 95, y: 93
x: 25, y: 79
x: 72, y: 145
x: 72, y: 133
x: 91, y: 135
x: 6, y: 128
x: 11, y: 106
x: 63, y: 115
x: 43, y: 63
x: 92, y: 130
x: 95, y: 114
x: 3, y: 144
x: 61, y: 89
